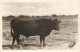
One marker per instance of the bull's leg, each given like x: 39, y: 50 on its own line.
x: 27, y: 40
x: 17, y: 39
x: 43, y: 41
x: 27, y: 37
x: 40, y: 41
x: 13, y: 42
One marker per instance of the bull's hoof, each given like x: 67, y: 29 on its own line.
x: 41, y: 46
x: 44, y: 45
x: 19, y: 47
x: 12, y: 47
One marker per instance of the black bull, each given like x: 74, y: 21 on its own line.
x: 41, y: 27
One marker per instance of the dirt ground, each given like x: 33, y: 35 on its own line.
x: 65, y: 38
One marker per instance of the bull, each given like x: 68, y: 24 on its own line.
x: 41, y: 27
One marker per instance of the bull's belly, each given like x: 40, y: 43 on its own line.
x: 36, y: 31
x: 27, y: 34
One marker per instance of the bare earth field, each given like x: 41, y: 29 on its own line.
x: 65, y: 38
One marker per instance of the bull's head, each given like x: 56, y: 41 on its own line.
x: 56, y: 24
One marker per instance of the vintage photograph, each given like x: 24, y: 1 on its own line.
x: 39, y: 25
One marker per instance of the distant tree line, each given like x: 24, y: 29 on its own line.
x: 26, y: 16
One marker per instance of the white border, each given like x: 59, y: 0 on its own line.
x: 75, y: 49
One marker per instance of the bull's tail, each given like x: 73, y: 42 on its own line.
x: 12, y: 34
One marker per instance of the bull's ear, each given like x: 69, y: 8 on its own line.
x: 59, y: 21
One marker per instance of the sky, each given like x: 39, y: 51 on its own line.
x: 39, y: 8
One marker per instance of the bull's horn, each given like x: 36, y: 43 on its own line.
x: 51, y: 17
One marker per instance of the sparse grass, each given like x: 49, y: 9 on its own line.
x: 67, y: 34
